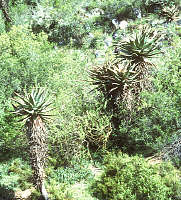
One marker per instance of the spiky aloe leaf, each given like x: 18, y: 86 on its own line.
x: 110, y: 78
x: 31, y: 105
x: 170, y: 13
x: 139, y: 46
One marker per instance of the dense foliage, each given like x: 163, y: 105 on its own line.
x: 132, y: 178
x: 112, y: 69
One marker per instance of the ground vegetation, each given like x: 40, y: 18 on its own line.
x: 110, y: 70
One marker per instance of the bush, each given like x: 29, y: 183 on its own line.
x: 114, y: 9
x: 20, y: 13
x: 155, y: 6
x: 172, y: 151
x: 75, y: 140
x: 12, y: 140
x: 118, y: 9
x: 72, y: 174
x: 25, y: 60
x: 9, y: 182
x: 128, y: 178
x: 66, y: 145
x: 15, y: 174
x: 60, y: 27
x: 151, y: 128
x: 59, y: 191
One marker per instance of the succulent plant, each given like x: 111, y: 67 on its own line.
x: 170, y: 13
x: 138, y: 47
x: 34, y: 104
x: 124, y: 77
x: 119, y: 82
x: 34, y: 109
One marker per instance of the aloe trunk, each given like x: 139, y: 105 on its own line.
x: 36, y: 134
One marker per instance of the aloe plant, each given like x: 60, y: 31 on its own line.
x: 119, y: 82
x: 34, y: 108
x: 123, y: 78
x: 138, y: 47
x: 170, y: 13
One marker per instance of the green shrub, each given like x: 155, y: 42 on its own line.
x: 9, y: 181
x: 118, y: 9
x: 61, y: 27
x: 20, y: 13
x: 152, y: 127
x: 80, y: 127
x: 71, y: 174
x: 15, y: 174
x: 25, y: 60
x: 23, y: 170
x: 12, y: 140
x: 2, y: 25
x: 132, y: 178
x: 111, y: 9
x: 76, y: 105
x: 65, y: 145
x: 59, y: 191
x: 172, y: 151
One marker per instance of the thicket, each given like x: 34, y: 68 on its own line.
x: 26, y: 59
x: 131, y: 178
x: 54, y: 44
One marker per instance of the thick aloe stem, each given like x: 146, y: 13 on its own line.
x: 36, y: 134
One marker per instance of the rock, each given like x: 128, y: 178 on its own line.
x: 120, y: 25
x: 178, y: 22
x: 108, y: 42
x: 115, y: 22
x: 24, y: 195
x: 156, y: 9
x: 115, y: 35
x: 137, y: 12
x: 99, y: 53
x: 100, y: 56
x: 90, y: 35
x: 97, y: 12
x: 123, y: 24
